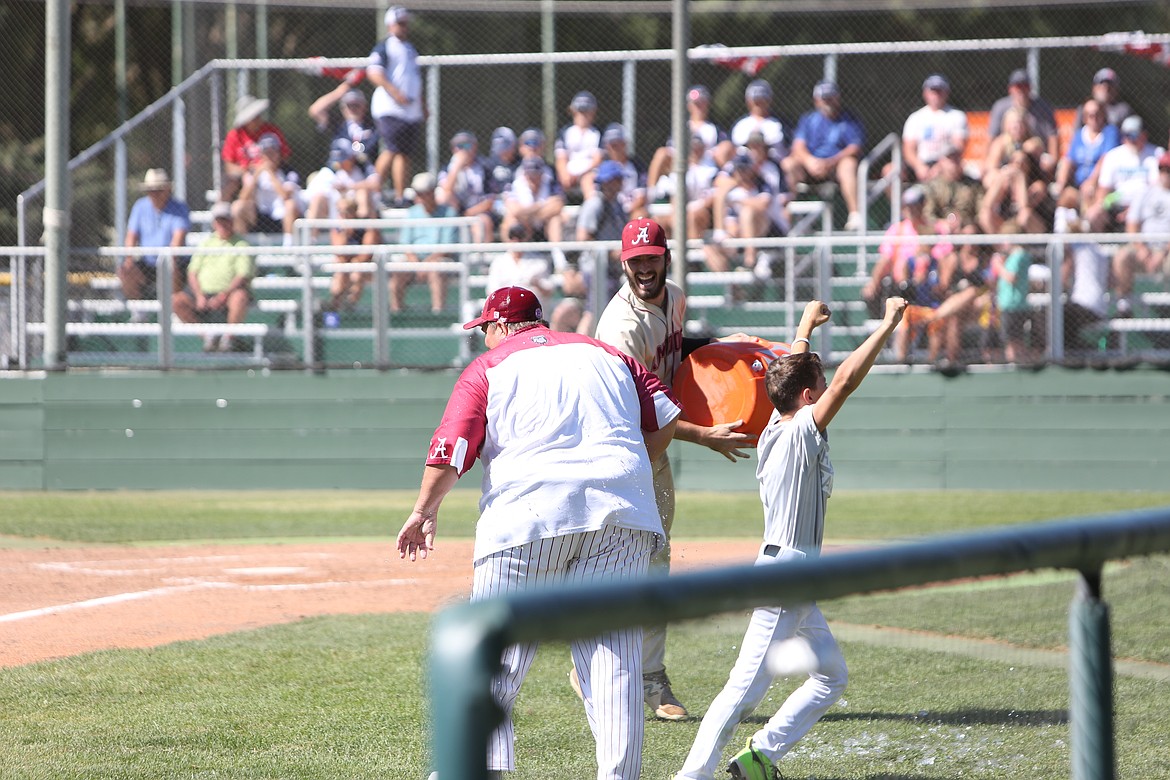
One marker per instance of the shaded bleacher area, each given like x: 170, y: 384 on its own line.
x: 291, y: 325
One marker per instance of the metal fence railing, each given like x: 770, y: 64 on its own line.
x: 468, y: 640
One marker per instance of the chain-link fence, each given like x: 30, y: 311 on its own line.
x: 1101, y: 296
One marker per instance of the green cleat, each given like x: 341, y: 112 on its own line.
x: 750, y: 764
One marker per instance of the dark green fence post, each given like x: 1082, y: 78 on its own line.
x: 468, y: 643
x: 1090, y: 682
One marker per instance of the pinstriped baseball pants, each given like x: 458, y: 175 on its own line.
x: 609, y: 666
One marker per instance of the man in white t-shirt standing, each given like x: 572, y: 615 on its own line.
x: 398, y: 107
x: 567, y: 428
x: 931, y: 130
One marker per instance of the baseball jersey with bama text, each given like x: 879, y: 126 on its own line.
x: 651, y: 335
x: 552, y: 415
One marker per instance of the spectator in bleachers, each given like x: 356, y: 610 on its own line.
x: 345, y: 289
x: 1150, y: 213
x: 931, y: 129
x: 1084, y: 276
x: 826, y: 147
x: 1124, y: 172
x: 241, y: 151
x: 755, y: 205
x: 1010, y: 264
x: 531, y: 144
x: 501, y: 165
x: 354, y: 125
x: 535, y: 201
x: 715, y: 142
x: 425, y: 207
x: 578, y: 151
x: 1090, y: 142
x: 217, y: 282
x: 269, y: 195
x: 633, y: 193
x: 1037, y: 108
x: 758, y: 98
x: 602, y: 218
x: 701, y: 173
x: 1016, y: 186
x: 463, y: 184
x: 1105, y: 90
x: 399, y: 105
x: 967, y: 301
x: 1001, y: 149
x: 344, y: 177
x: 514, y: 268
x: 910, y: 268
x: 156, y: 220
x: 765, y: 178
x: 952, y: 196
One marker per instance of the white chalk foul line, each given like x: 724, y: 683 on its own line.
x: 119, y: 598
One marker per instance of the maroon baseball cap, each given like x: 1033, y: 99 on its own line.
x: 642, y: 237
x: 508, y: 304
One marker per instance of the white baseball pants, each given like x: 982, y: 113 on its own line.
x: 609, y: 666
x: 750, y: 680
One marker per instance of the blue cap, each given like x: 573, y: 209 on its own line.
x: 340, y: 150
x: 743, y: 160
x: 758, y: 90
x: 937, y: 81
x: 608, y: 171
x: 825, y: 90
x: 503, y: 138
x: 584, y: 101
x: 613, y: 132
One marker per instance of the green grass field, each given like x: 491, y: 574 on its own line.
x: 345, y: 697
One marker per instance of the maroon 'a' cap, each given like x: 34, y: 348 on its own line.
x: 508, y: 304
x: 642, y: 237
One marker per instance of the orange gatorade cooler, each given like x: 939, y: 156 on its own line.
x: 724, y: 381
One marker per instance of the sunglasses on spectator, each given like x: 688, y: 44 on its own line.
x: 464, y: 145
x: 532, y: 142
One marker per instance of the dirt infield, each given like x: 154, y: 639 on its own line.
x: 62, y: 601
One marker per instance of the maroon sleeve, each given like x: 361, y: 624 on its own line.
x: 460, y: 435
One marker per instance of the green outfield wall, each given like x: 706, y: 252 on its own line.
x: 1051, y: 430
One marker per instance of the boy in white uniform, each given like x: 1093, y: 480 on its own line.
x: 796, y: 480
